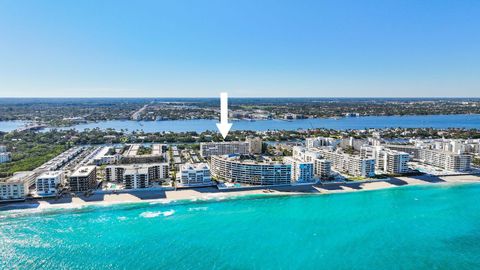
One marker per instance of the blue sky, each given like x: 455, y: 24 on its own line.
x: 249, y: 48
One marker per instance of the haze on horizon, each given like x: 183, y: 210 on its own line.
x: 249, y: 48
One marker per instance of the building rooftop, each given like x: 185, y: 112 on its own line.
x: 251, y: 159
x: 136, y: 170
x: 18, y: 177
x: 194, y: 166
x: 50, y: 174
x: 216, y: 143
x: 83, y: 171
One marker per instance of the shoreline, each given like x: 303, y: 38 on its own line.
x: 212, y: 193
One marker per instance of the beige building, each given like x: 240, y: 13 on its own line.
x: 322, y: 168
x: 254, y: 145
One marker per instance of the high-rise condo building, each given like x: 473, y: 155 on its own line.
x: 252, y: 145
x: 224, y: 148
x: 155, y: 171
x: 318, y: 142
x: 387, y: 160
x: 83, y: 179
x: 236, y: 169
x: 136, y: 177
x: 446, y: 160
x: 350, y: 164
x: 302, y: 171
x: 321, y: 166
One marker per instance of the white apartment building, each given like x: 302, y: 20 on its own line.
x: 224, y: 148
x: 48, y: 182
x: 456, y: 146
x: 350, y: 164
x: 136, y: 177
x: 318, y: 142
x: 103, y: 157
x: 252, y: 172
x: 302, y: 172
x: 446, y: 160
x: 5, y: 157
x: 387, y: 160
x: 14, y: 188
x: 156, y: 171
x: 322, y: 168
x: 449, y: 161
x: 131, y: 156
x: 192, y: 174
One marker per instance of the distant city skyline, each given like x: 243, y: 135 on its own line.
x: 247, y: 48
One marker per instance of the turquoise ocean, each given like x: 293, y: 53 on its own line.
x: 416, y: 227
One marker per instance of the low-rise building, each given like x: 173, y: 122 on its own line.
x: 14, y: 188
x: 192, y: 174
x: 83, y: 179
x: 104, y: 157
x: 48, y: 183
x: 132, y: 156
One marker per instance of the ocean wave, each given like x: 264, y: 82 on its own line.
x: 150, y: 214
x: 168, y: 213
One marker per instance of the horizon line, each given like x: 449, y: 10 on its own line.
x: 234, y: 97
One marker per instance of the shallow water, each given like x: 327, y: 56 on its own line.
x: 418, y: 227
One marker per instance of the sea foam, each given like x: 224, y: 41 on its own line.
x: 150, y: 214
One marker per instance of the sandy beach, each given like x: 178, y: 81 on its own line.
x: 212, y: 193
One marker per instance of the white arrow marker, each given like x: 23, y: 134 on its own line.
x: 224, y: 126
